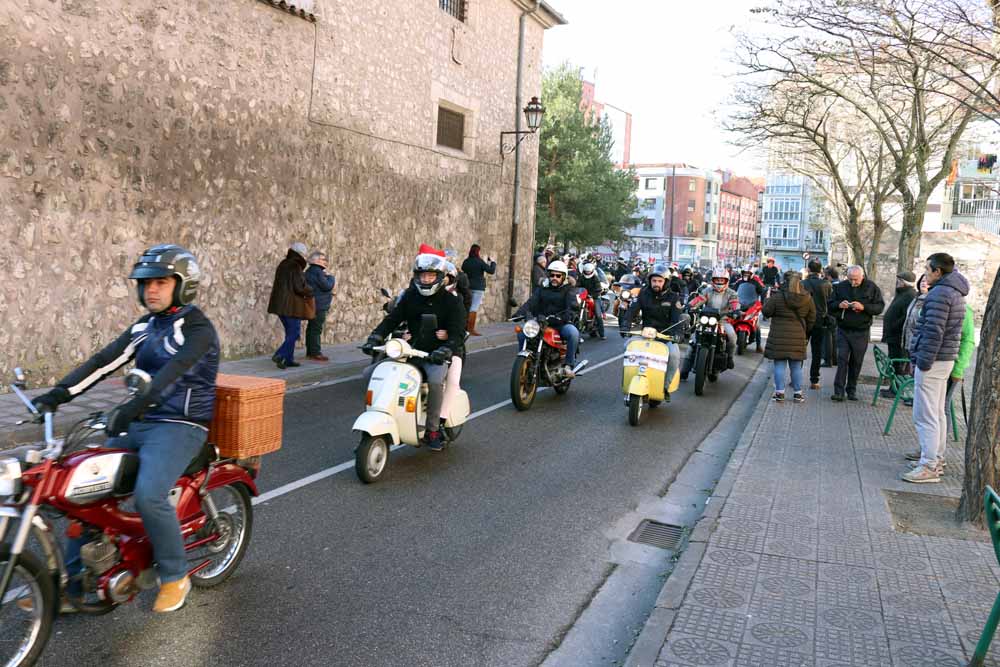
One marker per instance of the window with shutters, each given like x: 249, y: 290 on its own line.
x: 451, y: 129
x: 456, y: 8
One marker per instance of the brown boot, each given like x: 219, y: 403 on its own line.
x: 470, y: 326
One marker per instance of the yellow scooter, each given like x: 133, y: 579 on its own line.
x: 645, y: 371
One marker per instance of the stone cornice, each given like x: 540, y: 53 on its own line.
x: 546, y: 15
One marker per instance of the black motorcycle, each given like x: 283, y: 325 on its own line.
x: 707, y: 356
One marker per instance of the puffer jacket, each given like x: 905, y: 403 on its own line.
x: 289, y: 291
x: 179, y: 349
x: 792, y: 318
x: 939, y: 328
x: 910, y: 323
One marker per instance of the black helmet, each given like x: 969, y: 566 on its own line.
x: 426, y: 263
x: 165, y: 260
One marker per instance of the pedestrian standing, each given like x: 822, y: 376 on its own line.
x: 321, y: 282
x: 292, y: 301
x: 793, y: 315
x: 893, y: 320
x: 476, y: 268
x: 830, y: 339
x: 933, y: 352
x: 819, y: 288
x: 965, y: 349
x: 913, y: 315
x: 856, y: 301
x: 538, y: 274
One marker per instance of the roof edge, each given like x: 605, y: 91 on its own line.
x: 546, y: 15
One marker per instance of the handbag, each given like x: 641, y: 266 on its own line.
x: 310, y: 307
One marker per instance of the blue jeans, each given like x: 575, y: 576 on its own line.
x: 165, y: 449
x: 795, y: 366
x: 570, y: 335
x: 293, y: 330
x: 598, y: 314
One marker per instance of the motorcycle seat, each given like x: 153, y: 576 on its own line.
x: 202, y: 460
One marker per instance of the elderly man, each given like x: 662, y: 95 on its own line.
x: 853, y: 302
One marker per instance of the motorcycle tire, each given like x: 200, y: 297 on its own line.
x: 634, y: 409
x: 700, y: 371
x: 522, y: 395
x: 28, y: 570
x: 371, y: 458
x: 741, y: 342
x: 236, y: 544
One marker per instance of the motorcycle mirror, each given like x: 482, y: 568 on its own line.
x: 138, y: 382
x: 19, y: 375
x: 429, y: 322
x: 385, y: 292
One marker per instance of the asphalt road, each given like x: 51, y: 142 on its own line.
x: 480, y: 555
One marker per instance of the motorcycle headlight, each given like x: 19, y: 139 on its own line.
x: 10, y: 477
x: 531, y: 328
x: 649, y: 332
x: 712, y: 321
x: 394, y: 349
x: 703, y: 319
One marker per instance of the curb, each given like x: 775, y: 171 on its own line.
x: 650, y: 641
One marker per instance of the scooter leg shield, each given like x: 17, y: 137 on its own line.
x: 639, y: 386
x: 459, y: 410
x: 377, y: 423
x: 452, y: 386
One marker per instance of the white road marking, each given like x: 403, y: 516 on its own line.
x: 347, y: 465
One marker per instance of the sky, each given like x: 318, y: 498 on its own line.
x: 667, y: 62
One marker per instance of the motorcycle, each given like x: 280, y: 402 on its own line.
x: 707, y: 356
x: 539, y: 363
x: 395, y: 406
x: 747, y: 325
x: 87, y: 483
x: 587, y: 319
x: 626, y: 295
x: 645, y: 370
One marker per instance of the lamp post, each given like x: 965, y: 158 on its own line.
x: 533, y: 114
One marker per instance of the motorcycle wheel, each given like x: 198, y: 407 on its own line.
x: 25, y: 633
x: 234, y: 524
x: 700, y: 371
x: 371, y: 458
x: 634, y: 409
x: 741, y: 342
x: 523, y: 385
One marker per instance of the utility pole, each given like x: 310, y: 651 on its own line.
x: 673, y: 187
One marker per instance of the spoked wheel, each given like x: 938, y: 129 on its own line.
x: 634, y: 409
x: 232, y: 527
x: 371, y: 458
x: 523, y: 385
x: 741, y: 342
x: 700, y: 371
x: 24, y: 630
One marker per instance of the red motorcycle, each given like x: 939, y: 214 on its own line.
x: 587, y: 321
x: 80, y: 479
x: 747, y: 327
x: 538, y: 363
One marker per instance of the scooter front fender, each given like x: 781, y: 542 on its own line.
x: 639, y: 386
x: 377, y: 423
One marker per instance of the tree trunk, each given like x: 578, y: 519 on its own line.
x: 852, y: 233
x: 909, y: 238
x: 982, y: 446
x: 871, y: 264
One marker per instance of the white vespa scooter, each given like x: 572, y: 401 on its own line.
x: 396, y: 411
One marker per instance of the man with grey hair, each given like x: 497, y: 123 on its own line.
x: 321, y: 281
x: 854, y: 302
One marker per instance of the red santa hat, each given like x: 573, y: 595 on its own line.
x: 429, y: 250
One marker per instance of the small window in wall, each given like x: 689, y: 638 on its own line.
x: 652, y: 183
x: 691, y: 186
x: 690, y: 228
x: 454, y: 7
x: 691, y: 204
x: 451, y: 129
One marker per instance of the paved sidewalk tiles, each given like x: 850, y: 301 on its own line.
x: 803, y: 567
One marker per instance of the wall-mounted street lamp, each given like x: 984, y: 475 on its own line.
x: 533, y: 113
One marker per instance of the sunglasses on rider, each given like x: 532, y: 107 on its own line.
x: 555, y: 275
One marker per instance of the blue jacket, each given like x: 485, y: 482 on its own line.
x: 180, y: 350
x: 939, y: 327
x: 322, y: 286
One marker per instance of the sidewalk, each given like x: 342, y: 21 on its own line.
x: 796, y: 561
x: 345, y: 360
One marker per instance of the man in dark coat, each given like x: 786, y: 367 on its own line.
x: 292, y: 301
x: 321, y: 282
x: 895, y: 317
x: 820, y: 289
x: 933, y: 351
x: 855, y: 301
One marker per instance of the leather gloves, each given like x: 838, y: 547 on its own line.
x: 122, y: 416
x: 369, y: 346
x: 52, y: 399
x: 440, y: 355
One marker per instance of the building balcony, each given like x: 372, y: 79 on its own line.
x: 974, y: 207
x: 787, y: 244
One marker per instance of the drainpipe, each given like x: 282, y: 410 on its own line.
x: 515, y: 222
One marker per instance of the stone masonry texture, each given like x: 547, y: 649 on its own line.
x: 235, y: 129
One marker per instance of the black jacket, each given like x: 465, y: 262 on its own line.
x: 659, y: 309
x: 477, y: 268
x: 820, y: 289
x: 558, y: 303
x: 463, y: 290
x: 321, y: 285
x: 867, y: 294
x: 413, y: 306
x: 895, y: 315
x: 771, y: 275
x: 591, y: 284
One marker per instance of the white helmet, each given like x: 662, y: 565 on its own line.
x: 589, y: 268
x: 426, y: 263
x: 719, y: 274
x: 558, y: 266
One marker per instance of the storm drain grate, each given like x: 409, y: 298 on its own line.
x: 654, y: 533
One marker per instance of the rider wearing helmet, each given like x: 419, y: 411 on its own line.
x: 427, y: 295
x: 662, y: 308
x: 176, y: 344
x: 556, y: 301
x: 590, y: 280
x: 719, y: 296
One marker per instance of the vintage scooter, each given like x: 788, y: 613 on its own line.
x: 395, y: 406
x: 645, y: 372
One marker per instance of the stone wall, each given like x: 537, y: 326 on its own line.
x: 235, y: 129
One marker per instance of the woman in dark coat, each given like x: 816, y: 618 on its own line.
x: 792, y: 314
x: 292, y: 301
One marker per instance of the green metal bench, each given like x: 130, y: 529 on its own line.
x: 901, y: 385
x: 992, y: 506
